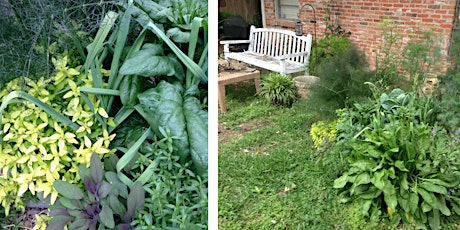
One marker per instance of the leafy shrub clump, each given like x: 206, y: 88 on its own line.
x: 322, y: 132
x: 326, y: 49
x: 278, y: 89
x: 37, y: 146
x: 341, y: 83
x: 401, y: 165
x: 106, y: 202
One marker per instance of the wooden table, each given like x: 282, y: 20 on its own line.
x: 230, y: 77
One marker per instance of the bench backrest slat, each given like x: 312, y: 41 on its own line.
x: 276, y: 42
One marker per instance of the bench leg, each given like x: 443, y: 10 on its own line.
x: 222, y: 102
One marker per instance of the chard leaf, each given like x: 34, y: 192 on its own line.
x: 148, y: 64
x: 197, y: 129
x: 68, y: 190
x: 178, y: 35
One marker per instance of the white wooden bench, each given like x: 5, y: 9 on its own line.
x: 273, y: 49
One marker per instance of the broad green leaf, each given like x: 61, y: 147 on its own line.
x: 434, y: 220
x: 197, y: 129
x: 68, y: 190
x: 428, y: 197
x: 431, y: 187
x: 404, y: 203
x: 441, y: 202
x: 389, y: 195
x: 192, y: 66
x: 378, y: 179
x: 341, y: 181
x: 163, y: 107
x: 130, y: 87
x: 400, y: 165
x: 68, y: 203
x: 403, y: 181
x: 106, y: 217
x: 96, y: 168
x: 364, y: 165
x: 372, y: 193
x: 148, y: 64
x: 178, y: 35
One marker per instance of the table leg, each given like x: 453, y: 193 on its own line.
x: 222, y: 102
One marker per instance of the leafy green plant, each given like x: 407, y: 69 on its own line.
x: 402, y: 165
x: 341, y: 82
x: 327, y: 48
x: 47, y: 133
x: 323, y: 131
x: 106, y: 202
x: 176, y: 197
x: 278, y: 89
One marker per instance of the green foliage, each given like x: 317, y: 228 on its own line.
x: 176, y: 197
x: 105, y: 203
x: 419, y: 57
x: 323, y: 132
x: 326, y: 49
x: 33, y: 31
x: 278, y: 89
x: 341, y: 81
x: 47, y: 133
x: 402, y: 165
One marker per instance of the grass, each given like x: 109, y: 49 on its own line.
x: 270, y: 175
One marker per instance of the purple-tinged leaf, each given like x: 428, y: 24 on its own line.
x: 68, y: 190
x: 90, y: 186
x: 104, y: 190
x: 96, y: 168
x: 106, y: 217
x: 59, y: 212
x: 59, y: 222
x: 136, y: 199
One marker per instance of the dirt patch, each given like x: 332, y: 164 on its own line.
x: 227, y: 134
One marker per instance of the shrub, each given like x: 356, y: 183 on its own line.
x: 327, y: 48
x: 278, y: 89
x: 401, y: 164
x: 341, y: 82
x: 41, y: 145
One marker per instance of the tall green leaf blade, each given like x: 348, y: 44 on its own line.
x: 192, y: 66
x: 104, y: 29
x: 131, y: 153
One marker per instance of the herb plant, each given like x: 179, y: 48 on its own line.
x: 401, y: 165
x: 105, y: 203
x: 278, y: 89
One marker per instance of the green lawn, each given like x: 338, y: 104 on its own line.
x: 271, y: 176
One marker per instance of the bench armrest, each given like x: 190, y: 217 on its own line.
x: 234, y: 42
x: 283, y: 57
x: 227, y: 44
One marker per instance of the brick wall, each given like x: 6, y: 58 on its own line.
x: 362, y: 19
